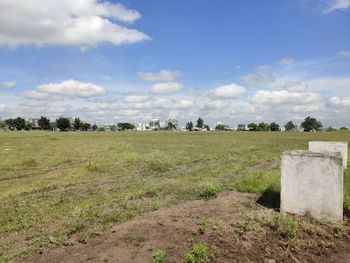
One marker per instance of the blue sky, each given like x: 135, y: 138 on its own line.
x: 228, y: 61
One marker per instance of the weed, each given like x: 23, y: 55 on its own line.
x: 285, y: 226
x: 141, y: 239
x: 203, y: 224
x: 209, y: 191
x: 158, y: 256
x: 29, y: 163
x: 339, y: 232
x: 198, y: 254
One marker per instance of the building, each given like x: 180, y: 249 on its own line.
x: 142, y: 126
x: 34, y: 122
x: 242, y: 127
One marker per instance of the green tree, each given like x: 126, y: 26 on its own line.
x: 311, y: 124
x: 94, y: 127
x: 200, y: 123
x: 77, y: 124
x: 125, y: 126
x: 207, y: 127
x: 274, y: 126
x: 44, y: 123
x: 170, y: 126
x: 63, y: 124
x: 289, y: 126
x: 220, y: 127
x: 18, y: 123
x: 85, y: 126
x: 263, y: 126
x: 2, y: 124
x: 252, y: 126
x: 189, y: 126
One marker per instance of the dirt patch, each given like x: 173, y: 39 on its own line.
x: 234, y: 228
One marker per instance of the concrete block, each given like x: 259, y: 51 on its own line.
x: 320, y: 146
x: 312, y: 183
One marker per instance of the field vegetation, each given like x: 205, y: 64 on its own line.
x: 56, y: 186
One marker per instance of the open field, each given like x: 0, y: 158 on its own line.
x: 62, y: 188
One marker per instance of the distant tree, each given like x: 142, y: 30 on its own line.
x: 113, y: 127
x: 207, y: 127
x: 200, y: 123
x: 220, y: 127
x: 63, y: 124
x: 77, y: 124
x: 85, y: 126
x: 274, y: 126
x: 2, y: 125
x: 341, y: 129
x: 263, y: 126
x: 44, y: 123
x: 94, y: 127
x: 189, y: 126
x: 125, y: 126
x: 311, y: 124
x: 29, y: 126
x: 330, y: 129
x: 171, y: 126
x: 289, y: 126
x: 18, y: 123
x: 252, y: 126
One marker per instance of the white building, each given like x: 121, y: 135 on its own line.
x: 142, y: 126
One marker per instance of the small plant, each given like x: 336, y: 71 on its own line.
x: 339, y: 232
x: 286, y: 227
x: 198, y: 254
x: 203, y: 224
x: 30, y: 163
x: 209, y: 191
x: 141, y: 239
x: 158, y: 256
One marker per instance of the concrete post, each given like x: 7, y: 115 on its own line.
x: 312, y: 183
x: 320, y: 146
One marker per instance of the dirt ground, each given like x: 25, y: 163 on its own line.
x: 233, y: 226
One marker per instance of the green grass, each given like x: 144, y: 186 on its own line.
x: 59, y: 185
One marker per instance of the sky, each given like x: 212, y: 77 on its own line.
x: 226, y: 61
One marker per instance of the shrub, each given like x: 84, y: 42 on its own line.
x: 209, y: 191
x: 158, y: 256
x: 198, y: 254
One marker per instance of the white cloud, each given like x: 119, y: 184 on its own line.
x: 135, y: 98
x: 338, y: 4
x: 295, y: 86
x: 343, y: 53
x: 166, y: 87
x: 227, y: 91
x: 305, y: 108
x: 338, y: 102
x: 285, y: 97
x: 262, y: 76
x: 80, y: 22
x: 67, y: 88
x: 334, y: 84
x: 8, y: 84
x: 163, y: 75
x: 286, y: 61
x: 178, y: 104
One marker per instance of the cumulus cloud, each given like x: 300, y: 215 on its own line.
x: 163, y: 75
x: 8, y: 84
x: 67, y: 88
x: 227, y: 91
x: 286, y: 61
x: 295, y: 86
x: 135, y: 98
x: 166, y: 87
x: 262, y: 76
x: 338, y: 102
x: 80, y: 22
x: 285, y: 97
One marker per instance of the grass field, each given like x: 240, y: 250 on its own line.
x: 57, y: 185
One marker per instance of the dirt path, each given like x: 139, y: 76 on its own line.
x: 234, y: 228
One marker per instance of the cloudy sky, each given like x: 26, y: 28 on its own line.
x: 228, y: 61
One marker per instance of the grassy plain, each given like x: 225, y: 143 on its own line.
x: 54, y: 186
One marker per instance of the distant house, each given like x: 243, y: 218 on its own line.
x: 34, y: 122
x: 141, y: 126
x: 242, y: 127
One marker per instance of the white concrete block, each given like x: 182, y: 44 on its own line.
x: 320, y: 146
x: 312, y: 183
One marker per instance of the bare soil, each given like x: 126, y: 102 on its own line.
x: 234, y: 227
